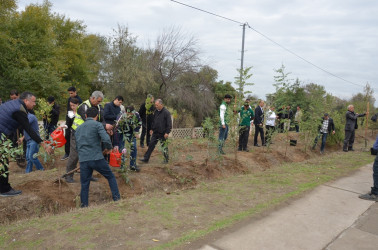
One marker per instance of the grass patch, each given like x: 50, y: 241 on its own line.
x: 183, y: 216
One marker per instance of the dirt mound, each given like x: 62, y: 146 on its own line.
x: 190, y: 165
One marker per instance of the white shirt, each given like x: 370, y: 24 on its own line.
x: 271, y: 118
x: 222, y: 113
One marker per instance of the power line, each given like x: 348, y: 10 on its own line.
x: 271, y: 40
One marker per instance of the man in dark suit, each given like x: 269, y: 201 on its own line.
x: 259, y: 123
x: 350, y: 126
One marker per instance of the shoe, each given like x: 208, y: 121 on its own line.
x: 141, y: 145
x: 239, y: 149
x: 136, y: 169
x: 257, y: 145
x: 11, y: 193
x: 165, y: 162
x: 222, y: 152
x: 69, y: 179
x: 65, y: 157
x: 369, y: 196
x: 350, y: 149
x: 143, y: 160
x: 321, y: 152
x: 246, y: 150
x: 345, y: 150
x: 94, y: 179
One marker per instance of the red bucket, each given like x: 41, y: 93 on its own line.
x: 115, y: 159
x: 58, y: 137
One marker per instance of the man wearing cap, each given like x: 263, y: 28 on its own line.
x: 224, y: 121
x: 350, y: 127
x: 327, y: 126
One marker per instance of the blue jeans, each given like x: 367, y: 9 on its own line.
x: 324, y: 138
x: 86, y: 170
x: 374, y: 189
x: 133, y: 150
x: 32, y: 148
x: 223, y: 133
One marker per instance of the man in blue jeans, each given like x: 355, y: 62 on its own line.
x: 373, y: 195
x: 32, y: 146
x: 327, y: 126
x: 89, y: 137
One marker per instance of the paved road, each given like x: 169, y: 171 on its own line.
x: 330, y: 217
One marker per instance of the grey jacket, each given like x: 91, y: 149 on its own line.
x: 89, y: 136
x: 351, y: 120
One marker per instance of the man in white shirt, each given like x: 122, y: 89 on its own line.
x: 224, y: 121
x: 270, y: 125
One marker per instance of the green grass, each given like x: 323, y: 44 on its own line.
x: 187, y: 215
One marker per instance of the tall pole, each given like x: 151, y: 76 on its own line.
x: 242, y: 57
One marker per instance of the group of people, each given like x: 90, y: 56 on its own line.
x: 281, y: 122
x: 283, y: 118
x: 258, y: 118
x: 92, y: 132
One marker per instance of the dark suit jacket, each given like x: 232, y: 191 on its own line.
x: 351, y: 120
x: 259, y: 116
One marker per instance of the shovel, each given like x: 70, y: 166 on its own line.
x: 66, y: 174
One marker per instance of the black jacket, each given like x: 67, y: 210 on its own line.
x: 146, y: 118
x: 351, y: 120
x: 162, y: 122
x: 54, y: 115
x: 111, y: 112
x: 259, y: 116
x: 331, y: 125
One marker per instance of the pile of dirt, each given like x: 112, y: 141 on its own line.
x: 42, y: 195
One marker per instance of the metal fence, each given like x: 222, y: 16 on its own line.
x: 194, y: 133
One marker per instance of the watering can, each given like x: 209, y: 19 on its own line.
x: 115, y: 159
x: 58, y: 137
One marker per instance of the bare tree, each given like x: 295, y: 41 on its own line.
x: 174, y: 54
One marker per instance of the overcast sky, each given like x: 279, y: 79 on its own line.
x: 339, y: 36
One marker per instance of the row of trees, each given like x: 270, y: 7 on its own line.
x: 46, y: 52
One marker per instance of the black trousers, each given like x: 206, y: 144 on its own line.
x: 268, y: 133
x: 349, y: 139
x: 4, y: 181
x: 68, y: 141
x: 243, y: 137
x: 155, y: 138
x: 258, y: 130
x: 145, y: 133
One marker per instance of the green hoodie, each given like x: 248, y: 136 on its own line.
x: 246, y: 116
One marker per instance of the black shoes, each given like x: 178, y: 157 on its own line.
x: 257, y: 145
x: 369, y: 196
x: 143, y: 160
x: 221, y: 152
x: 136, y: 169
x: 94, y: 179
x: 345, y: 150
x: 11, y: 193
x: 142, y: 145
x: 65, y: 157
x: 69, y: 179
x: 350, y: 149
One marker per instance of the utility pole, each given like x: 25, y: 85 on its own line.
x: 242, y: 56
